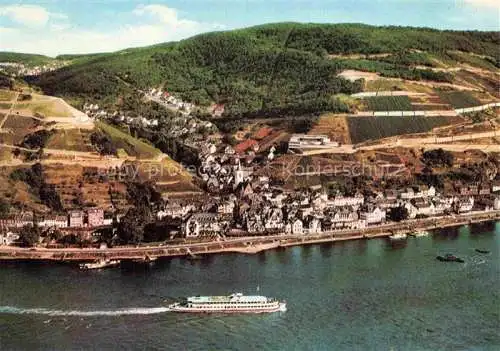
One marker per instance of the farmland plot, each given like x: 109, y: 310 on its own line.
x: 459, y: 99
x: 389, y: 103
x: 371, y: 127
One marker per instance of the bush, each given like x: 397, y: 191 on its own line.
x: 438, y: 158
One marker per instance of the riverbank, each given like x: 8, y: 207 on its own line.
x: 247, y: 245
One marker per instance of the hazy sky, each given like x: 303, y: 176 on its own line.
x: 53, y: 27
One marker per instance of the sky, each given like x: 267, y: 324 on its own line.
x: 54, y: 27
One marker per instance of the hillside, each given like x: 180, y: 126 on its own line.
x: 26, y: 59
x: 53, y: 157
x: 286, y: 68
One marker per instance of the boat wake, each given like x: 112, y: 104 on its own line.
x: 50, y: 312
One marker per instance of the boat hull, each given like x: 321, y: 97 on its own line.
x: 279, y: 308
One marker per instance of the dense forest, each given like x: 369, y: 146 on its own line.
x: 26, y: 59
x: 285, y: 68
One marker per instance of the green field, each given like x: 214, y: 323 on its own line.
x: 6, y: 95
x: 44, y: 107
x: 70, y: 139
x: 371, y: 128
x: 131, y: 145
x: 459, y: 99
x: 388, y: 103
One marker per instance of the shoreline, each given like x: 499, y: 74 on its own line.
x: 244, y: 245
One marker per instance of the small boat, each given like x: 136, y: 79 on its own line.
x: 450, y: 258
x: 100, y: 264
x: 482, y: 251
x: 420, y: 234
x: 398, y: 236
x: 234, y: 303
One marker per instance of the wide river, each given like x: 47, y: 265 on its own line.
x: 358, y: 295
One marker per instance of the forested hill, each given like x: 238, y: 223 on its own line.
x: 275, y: 68
x: 26, y: 59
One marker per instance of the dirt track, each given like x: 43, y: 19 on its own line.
x: 445, y: 143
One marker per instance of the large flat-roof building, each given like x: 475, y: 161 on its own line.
x: 304, y: 141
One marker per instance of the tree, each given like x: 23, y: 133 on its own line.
x: 398, y: 214
x: 29, y: 235
x: 437, y: 158
x: 131, y: 226
x: 4, y: 208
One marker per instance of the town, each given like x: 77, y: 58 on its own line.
x: 244, y: 203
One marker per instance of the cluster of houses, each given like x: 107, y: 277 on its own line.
x: 254, y: 209
x: 93, y: 111
x: 19, y: 70
x: 170, y: 101
x: 88, y: 218
x: 179, y: 126
x: 223, y: 170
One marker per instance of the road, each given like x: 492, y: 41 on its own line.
x: 426, y: 143
x: 240, y: 244
x: 12, y: 105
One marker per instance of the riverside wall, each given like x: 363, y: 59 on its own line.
x: 247, y: 245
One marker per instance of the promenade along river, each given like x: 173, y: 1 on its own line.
x: 358, y: 295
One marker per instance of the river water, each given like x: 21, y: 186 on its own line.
x: 359, y: 295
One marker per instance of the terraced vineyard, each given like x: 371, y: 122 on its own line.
x: 459, y: 99
x: 71, y: 139
x: 17, y: 128
x: 128, y: 143
x: 371, y: 127
x: 389, y: 103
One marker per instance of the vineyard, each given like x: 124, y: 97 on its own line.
x: 389, y: 103
x: 459, y: 99
x: 70, y: 139
x: 18, y: 127
x: 372, y: 127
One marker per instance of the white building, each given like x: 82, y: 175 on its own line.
x: 303, y: 141
x: 295, y: 227
x: 496, y: 203
x: 54, y: 221
x: 341, y: 201
x: 204, y: 224
x: 464, y: 205
x: 373, y: 216
x: 8, y: 238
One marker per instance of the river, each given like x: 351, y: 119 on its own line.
x: 358, y: 295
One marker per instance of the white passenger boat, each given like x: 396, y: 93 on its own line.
x: 398, y: 236
x: 100, y: 264
x: 420, y: 234
x: 234, y: 303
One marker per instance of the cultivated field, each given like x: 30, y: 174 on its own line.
x: 334, y: 126
x: 17, y: 127
x: 5, y: 154
x: 70, y: 139
x: 132, y: 146
x: 388, y: 103
x: 42, y: 108
x: 459, y: 99
x: 365, y: 128
x: 6, y: 95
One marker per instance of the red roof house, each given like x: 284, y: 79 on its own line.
x: 245, y: 145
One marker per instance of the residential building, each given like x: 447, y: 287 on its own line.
x: 95, y: 217
x: 373, y: 215
x: 75, y: 219
x: 205, y: 224
x: 8, y: 238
